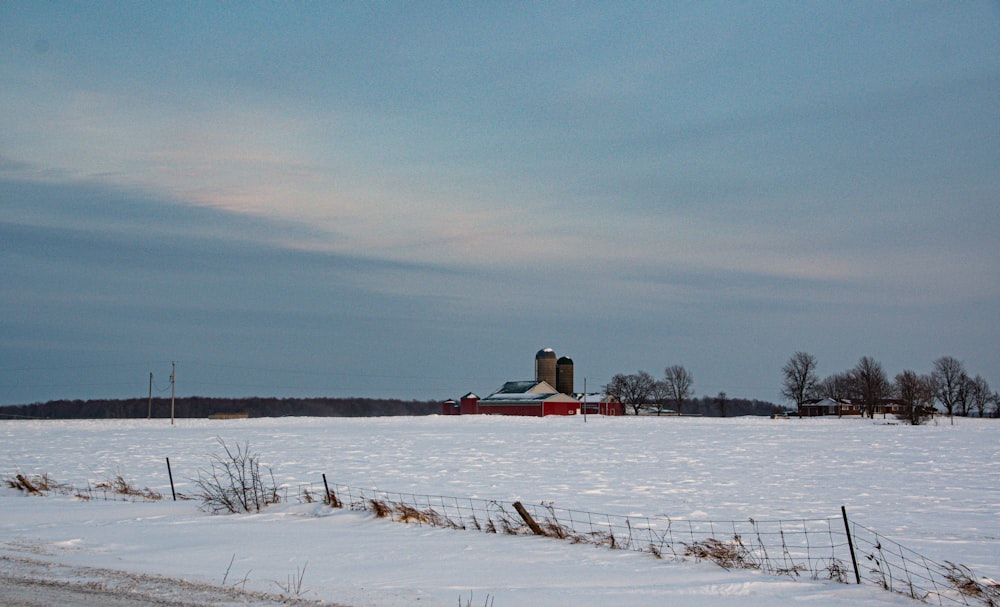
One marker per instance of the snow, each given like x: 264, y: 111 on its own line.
x: 934, y: 489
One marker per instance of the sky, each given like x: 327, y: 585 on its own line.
x: 408, y: 200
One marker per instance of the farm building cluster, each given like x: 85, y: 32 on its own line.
x: 841, y: 407
x: 550, y: 393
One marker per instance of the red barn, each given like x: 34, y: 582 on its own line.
x: 530, y: 398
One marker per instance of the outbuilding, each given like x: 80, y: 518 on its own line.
x: 601, y: 404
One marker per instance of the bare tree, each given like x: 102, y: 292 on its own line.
x: 799, y: 377
x: 871, y: 383
x: 678, y: 383
x: 948, y: 379
x: 722, y: 402
x: 917, y: 392
x: 979, y: 395
x: 659, y: 395
x: 632, y: 390
x: 962, y: 403
x: 838, y: 386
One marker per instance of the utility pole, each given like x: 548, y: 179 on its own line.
x: 585, y: 400
x: 173, y: 367
x: 149, y: 414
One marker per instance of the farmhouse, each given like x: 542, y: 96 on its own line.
x: 816, y: 407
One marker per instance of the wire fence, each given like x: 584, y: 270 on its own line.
x: 897, y: 568
x: 114, y: 489
x: 820, y: 548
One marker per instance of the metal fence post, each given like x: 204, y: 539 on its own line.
x: 171, y: 475
x: 328, y: 500
x: 850, y: 545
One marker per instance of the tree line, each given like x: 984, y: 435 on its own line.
x: 199, y: 406
x: 674, y: 394
x: 867, y: 383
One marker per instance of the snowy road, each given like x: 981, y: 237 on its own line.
x: 34, y: 583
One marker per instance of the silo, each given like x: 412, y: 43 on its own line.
x: 564, y: 375
x: 545, y: 366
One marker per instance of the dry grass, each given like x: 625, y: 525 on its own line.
x: 836, y: 571
x: 553, y: 528
x: 36, y: 484
x: 488, y: 602
x: 404, y: 513
x: 119, y: 486
x: 963, y: 580
x: 21, y: 483
x: 380, y: 508
x: 729, y: 554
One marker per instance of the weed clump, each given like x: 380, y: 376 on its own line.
x: 36, y: 484
x: 729, y: 554
x: 964, y: 581
x: 118, y: 485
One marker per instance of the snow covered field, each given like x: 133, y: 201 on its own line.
x: 934, y: 488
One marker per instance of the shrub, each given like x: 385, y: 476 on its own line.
x: 234, y: 482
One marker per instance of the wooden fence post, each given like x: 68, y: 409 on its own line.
x: 527, y: 519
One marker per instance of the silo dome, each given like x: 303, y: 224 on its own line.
x: 564, y: 375
x: 545, y: 366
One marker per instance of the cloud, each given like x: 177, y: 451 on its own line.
x: 249, y: 180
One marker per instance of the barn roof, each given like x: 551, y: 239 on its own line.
x: 520, y: 387
x: 514, y: 392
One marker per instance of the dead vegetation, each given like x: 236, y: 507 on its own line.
x: 962, y: 578
x: 36, y: 484
x: 404, y: 513
x: 118, y: 485
x: 235, y: 482
x: 115, y: 487
x: 728, y: 554
x: 22, y: 483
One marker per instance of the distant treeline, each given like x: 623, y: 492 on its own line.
x: 199, y: 406
x: 710, y: 406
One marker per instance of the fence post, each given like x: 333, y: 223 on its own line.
x: 850, y: 544
x: 171, y: 475
x: 527, y: 519
x: 331, y: 498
